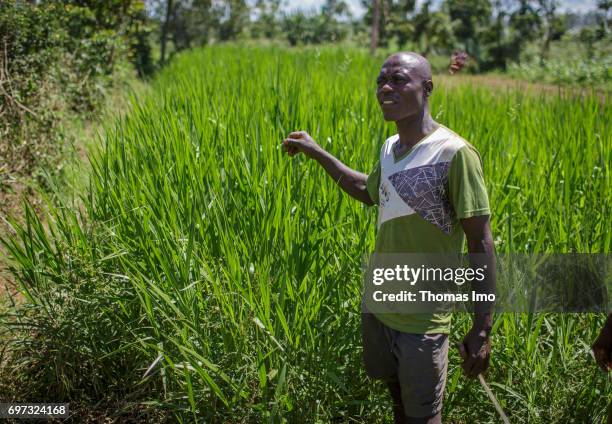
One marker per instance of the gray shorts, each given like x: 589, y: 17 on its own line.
x: 418, y: 362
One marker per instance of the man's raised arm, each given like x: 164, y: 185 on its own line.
x: 351, y: 181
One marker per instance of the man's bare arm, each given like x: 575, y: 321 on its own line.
x: 351, y: 181
x: 482, y: 255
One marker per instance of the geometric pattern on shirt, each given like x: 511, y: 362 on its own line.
x: 423, y: 189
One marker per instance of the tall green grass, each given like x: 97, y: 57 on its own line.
x: 210, y: 275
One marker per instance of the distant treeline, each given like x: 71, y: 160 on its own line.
x: 492, y: 32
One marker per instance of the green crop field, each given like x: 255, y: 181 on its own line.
x: 209, y: 275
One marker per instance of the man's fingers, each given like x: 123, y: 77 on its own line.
x: 462, y: 351
x: 296, y: 134
x: 291, y: 141
x: 486, y: 363
x: 470, y: 366
x: 290, y: 147
x: 480, y: 365
x: 468, y: 360
x: 473, y: 364
x: 483, y: 362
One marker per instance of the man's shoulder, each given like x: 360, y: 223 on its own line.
x: 388, y: 141
x: 454, y: 143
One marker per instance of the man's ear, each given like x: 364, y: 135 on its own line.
x: 427, y: 87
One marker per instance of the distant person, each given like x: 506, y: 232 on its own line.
x: 430, y: 191
x: 458, y: 60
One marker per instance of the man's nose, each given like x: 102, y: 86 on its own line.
x: 386, y: 88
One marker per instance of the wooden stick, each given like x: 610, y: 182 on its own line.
x: 493, y: 399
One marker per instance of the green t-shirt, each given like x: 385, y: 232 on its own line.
x: 421, y: 196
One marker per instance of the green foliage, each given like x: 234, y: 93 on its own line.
x: 467, y: 16
x: 217, y: 278
x: 494, y: 33
x: 525, y: 26
x: 84, y: 307
x: 58, y: 57
x: 266, y: 25
x: 324, y: 27
x: 195, y: 23
x: 237, y: 19
x: 394, y: 25
x: 140, y: 50
x: 433, y: 30
x: 570, y: 63
x: 302, y: 28
x: 29, y: 46
x: 594, y: 72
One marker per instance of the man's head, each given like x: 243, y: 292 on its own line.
x: 403, y: 86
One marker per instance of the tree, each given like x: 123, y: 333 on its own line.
x: 605, y: 6
x: 495, y: 41
x: 332, y: 12
x: 554, y: 26
x: 192, y: 23
x: 432, y: 29
x: 588, y: 37
x: 164, y: 30
x: 525, y: 26
x: 468, y: 18
x: 234, y: 19
x: 375, y: 26
x: 388, y: 19
x: 315, y: 28
x: 397, y: 24
x: 267, y: 19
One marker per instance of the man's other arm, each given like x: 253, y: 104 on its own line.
x: 482, y: 255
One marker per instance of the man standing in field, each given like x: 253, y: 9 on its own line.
x: 429, y: 188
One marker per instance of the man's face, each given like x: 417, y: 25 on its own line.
x: 401, y: 91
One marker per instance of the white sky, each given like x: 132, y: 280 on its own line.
x: 358, y: 10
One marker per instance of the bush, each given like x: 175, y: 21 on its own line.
x: 58, y: 57
x: 29, y: 46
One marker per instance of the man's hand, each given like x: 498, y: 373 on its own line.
x: 475, y: 350
x: 602, y: 348
x: 301, y: 141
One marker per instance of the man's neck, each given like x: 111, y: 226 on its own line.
x: 413, y: 129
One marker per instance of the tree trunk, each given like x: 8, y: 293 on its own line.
x: 548, y: 7
x: 545, y: 48
x: 164, y: 30
x: 375, y: 23
x: 547, y: 38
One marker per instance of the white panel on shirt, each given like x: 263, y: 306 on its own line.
x: 416, y: 183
